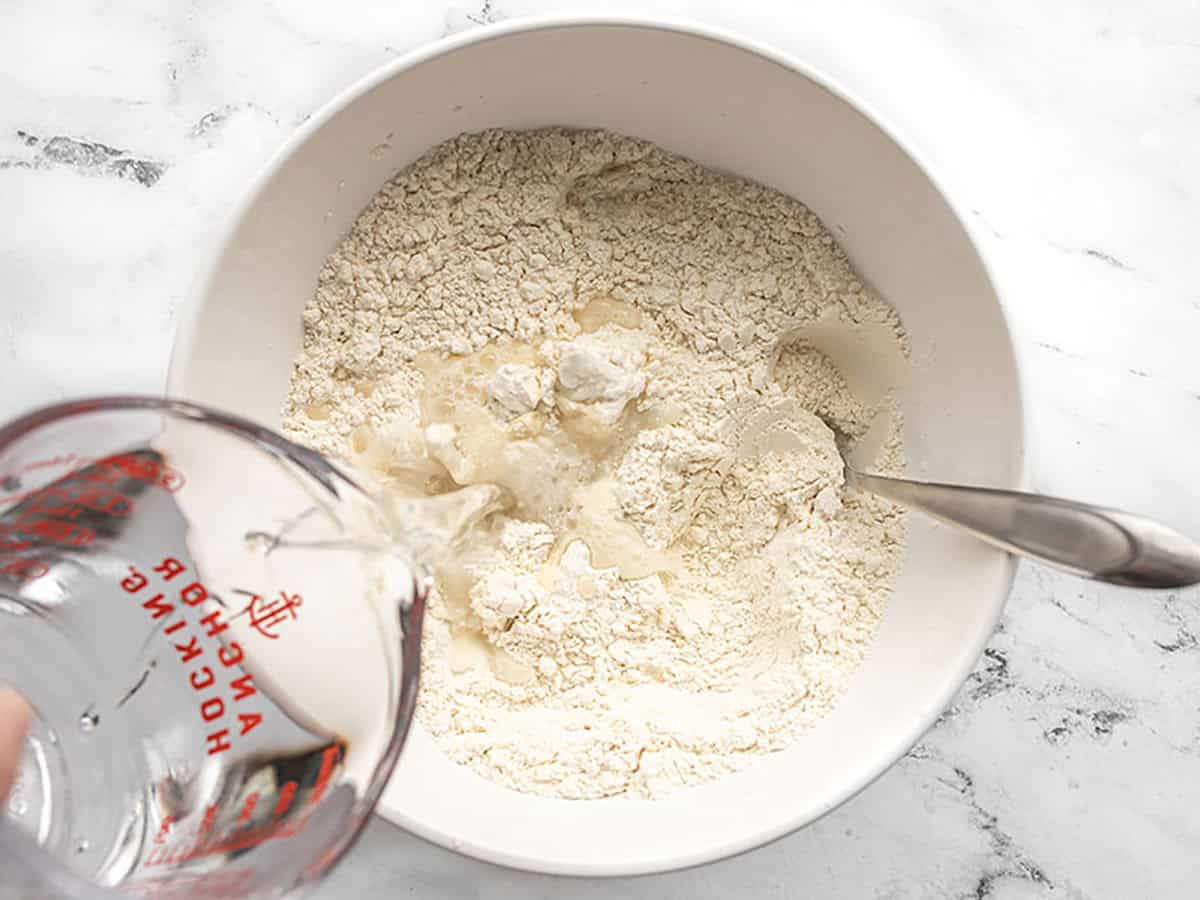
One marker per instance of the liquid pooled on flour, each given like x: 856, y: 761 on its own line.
x: 540, y: 424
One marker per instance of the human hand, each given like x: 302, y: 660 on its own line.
x: 14, y: 723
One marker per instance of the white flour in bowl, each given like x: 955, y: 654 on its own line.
x: 617, y: 336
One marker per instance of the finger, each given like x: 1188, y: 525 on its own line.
x: 15, y: 716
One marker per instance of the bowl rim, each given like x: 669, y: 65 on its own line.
x: 182, y: 349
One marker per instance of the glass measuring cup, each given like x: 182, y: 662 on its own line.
x: 219, y: 641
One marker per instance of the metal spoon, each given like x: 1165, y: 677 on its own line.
x: 1092, y: 541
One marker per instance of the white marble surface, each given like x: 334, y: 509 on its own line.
x: 1069, y: 766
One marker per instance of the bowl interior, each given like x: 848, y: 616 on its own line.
x: 735, y: 109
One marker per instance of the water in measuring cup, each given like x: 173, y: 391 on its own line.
x: 202, y: 686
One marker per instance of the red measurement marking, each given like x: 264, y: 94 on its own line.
x: 132, y: 465
x: 49, y: 515
x: 25, y: 569
x: 265, y: 616
x: 328, y: 758
x: 210, y: 818
x: 69, y: 500
x: 204, y: 843
x: 286, y: 793
x: 60, y: 532
x: 53, y: 501
x: 242, y: 840
x: 247, y: 812
x: 102, y: 500
x: 11, y: 535
x: 164, y: 830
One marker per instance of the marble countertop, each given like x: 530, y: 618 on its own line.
x: 1069, y: 765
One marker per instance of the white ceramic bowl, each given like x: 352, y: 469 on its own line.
x: 732, y: 106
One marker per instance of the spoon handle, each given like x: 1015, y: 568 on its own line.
x: 1104, y: 544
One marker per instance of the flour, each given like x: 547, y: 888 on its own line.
x: 614, y: 335
x: 598, y: 374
